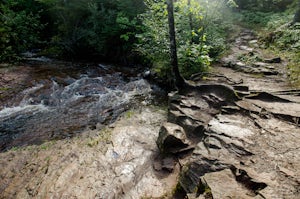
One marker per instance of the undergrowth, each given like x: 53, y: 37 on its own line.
x: 284, y: 41
x: 279, y: 37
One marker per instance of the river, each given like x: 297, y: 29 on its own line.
x: 63, y: 99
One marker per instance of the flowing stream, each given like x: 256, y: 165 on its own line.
x: 65, y: 103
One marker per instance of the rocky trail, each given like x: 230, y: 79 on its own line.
x: 233, y: 135
x: 236, y: 135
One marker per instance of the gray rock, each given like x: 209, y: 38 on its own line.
x: 172, y: 139
x: 191, y: 174
x: 223, y: 184
x: 168, y: 163
x: 195, y: 111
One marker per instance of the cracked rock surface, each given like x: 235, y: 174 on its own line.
x: 243, y: 132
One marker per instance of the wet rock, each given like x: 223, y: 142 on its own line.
x: 146, y: 74
x: 226, y: 160
x: 240, y: 65
x: 230, y: 109
x: 255, y: 68
x: 228, y: 62
x: 214, y: 164
x: 259, y: 70
x: 172, y: 139
x: 57, y: 108
x: 265, y: 96
x: 268, y: 103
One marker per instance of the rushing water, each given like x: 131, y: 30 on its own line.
x: 60, y: 106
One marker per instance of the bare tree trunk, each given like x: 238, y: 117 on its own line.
x: 297, y: 15
x: 179, y: 81
x: 190, y: 20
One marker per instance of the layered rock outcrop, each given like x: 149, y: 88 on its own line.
x: 239, y: 133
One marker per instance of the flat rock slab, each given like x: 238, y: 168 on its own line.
x: 278, y: 108
x: 223, y: 184
x: 116, y: 162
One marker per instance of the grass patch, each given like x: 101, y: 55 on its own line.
x: 129, y: 114
x: 254, y: 19
x: 15, y: 148
x: 278, y: 37
x: 293, y: 66
x: 249, y: 59
x: 5, y: 88
x: 104, y: 136
x: 47, y: 145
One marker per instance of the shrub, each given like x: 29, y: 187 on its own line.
x: 153, y: 43
x: 19, y: 30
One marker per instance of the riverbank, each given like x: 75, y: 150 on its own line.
x: 116, y: 162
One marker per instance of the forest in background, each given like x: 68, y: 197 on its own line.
x: 135, y: 32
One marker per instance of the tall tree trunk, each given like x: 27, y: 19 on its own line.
x: 297, y: 15
x: 190, y: 20
x: 179, y: 81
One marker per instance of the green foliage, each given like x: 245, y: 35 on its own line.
x: 218, y: 24
x: 249, y: 58
x: 286, y: 42
x: 255, y: 19
x: 281, y: 34
x: 129, y: 114
x: 264, y: 5
x: 104, y: 136
x: 20, y: 28
x: 93, y: 28
x: 201, y: 31
x: 294, y: 68
x: 288, y: 38
x: 154, y: 42
x: 117, y: 29
x: 282, y: 38
x: 193, y: 59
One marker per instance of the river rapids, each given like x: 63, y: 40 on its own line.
x: 60, y: 105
